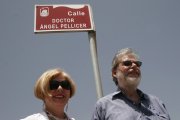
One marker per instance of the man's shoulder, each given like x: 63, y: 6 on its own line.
x: 106, y: 98
x: 151, y: 96
x: 153, y: 99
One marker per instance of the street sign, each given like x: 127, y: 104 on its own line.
x: 53, y: 18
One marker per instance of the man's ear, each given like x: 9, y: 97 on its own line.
x: 114, y: 73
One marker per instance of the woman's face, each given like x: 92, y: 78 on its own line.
x: 59, y: 95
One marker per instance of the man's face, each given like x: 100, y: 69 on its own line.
x: 128, y: 72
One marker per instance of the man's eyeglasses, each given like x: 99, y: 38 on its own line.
x: 54, y: 84
x: 129, y: 63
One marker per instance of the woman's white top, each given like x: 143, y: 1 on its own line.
x: 42, y: 116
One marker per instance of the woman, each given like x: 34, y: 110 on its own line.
x: 54, y: 87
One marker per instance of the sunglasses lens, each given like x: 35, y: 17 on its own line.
x: 139, y: 63
x: 54, y: 84
x: 65, y: 84
x: 127, y: 63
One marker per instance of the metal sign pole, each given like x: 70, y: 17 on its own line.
x: 93, y: 48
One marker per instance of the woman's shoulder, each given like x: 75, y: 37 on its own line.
x: 36, y: 116
x: 71, y: 119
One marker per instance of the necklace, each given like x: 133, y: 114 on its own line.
x: 52, y: 117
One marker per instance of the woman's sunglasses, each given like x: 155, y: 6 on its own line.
x: 54, y: 84
x: 129, y: 63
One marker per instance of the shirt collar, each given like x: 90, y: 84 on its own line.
x: 119, y: 94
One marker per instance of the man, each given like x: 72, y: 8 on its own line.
x: 128, y: 102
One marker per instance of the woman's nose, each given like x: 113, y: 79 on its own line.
x: 60, y: 88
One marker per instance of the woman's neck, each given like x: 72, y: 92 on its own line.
x: 59, y: 113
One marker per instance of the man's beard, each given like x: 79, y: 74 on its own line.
x: 129, y: 81
x: 133, y: 81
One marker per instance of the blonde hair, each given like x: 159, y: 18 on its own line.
x: 41, y: 88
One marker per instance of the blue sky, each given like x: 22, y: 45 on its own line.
x: 151, y: 27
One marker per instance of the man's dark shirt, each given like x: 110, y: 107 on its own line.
x: 117, y: 106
